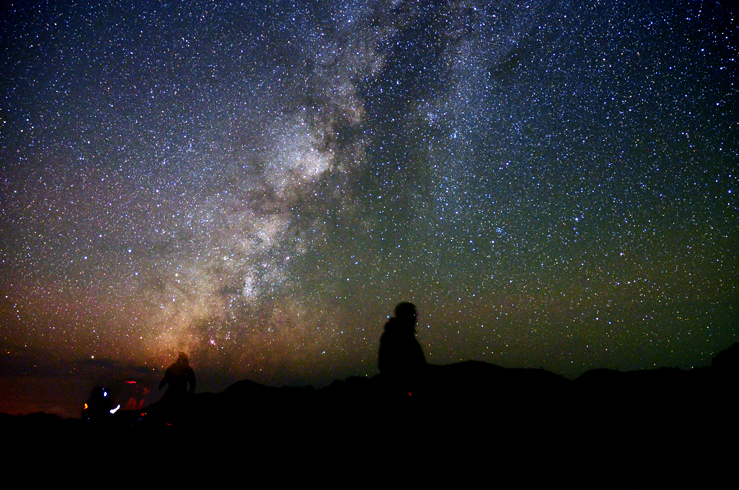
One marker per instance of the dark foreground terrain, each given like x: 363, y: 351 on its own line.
x: 465, y: 405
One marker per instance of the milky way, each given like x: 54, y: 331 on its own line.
x: 257, y: 184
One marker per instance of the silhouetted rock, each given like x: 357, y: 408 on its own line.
x: 727, y: 361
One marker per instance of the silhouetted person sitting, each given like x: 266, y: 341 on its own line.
x: 401, y: 358
x: 178, y: 376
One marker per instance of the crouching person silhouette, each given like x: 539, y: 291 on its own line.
x: 401, y: 360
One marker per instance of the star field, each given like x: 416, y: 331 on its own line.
x: 553, y: 184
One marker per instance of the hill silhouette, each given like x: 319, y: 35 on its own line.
x: 457, y: 403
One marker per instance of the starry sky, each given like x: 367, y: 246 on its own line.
x: 553, y: 184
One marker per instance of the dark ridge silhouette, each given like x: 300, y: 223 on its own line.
x: 727, y: 361
x: 458, y: 403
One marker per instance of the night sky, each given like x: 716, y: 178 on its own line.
x: 553, y: 184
